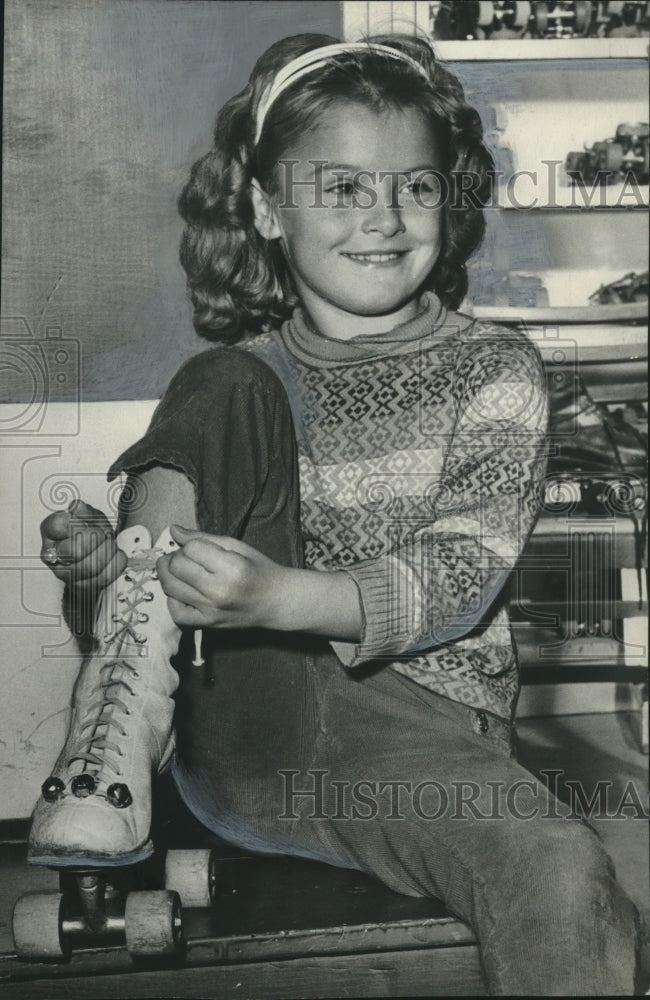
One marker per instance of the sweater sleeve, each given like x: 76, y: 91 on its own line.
x: 439, y: 578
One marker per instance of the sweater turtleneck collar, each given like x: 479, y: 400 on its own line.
x: 312, y: 348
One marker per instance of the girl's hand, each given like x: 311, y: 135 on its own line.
x: 78, y: 545
x: 217, y: 582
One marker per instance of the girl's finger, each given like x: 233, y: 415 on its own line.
x: 224, y: 543
x: 113, y: 568
x: 83, y: 513
x: 211, y: 557
x: 82, y: 543
x: 55, y: 527
x: 97, y: 566
x: 186, y: 568
x: 185, y: 614
x: 177, y: 588
x: 206, y: 558
x: 203, y: 549
x: 65, y: 541
x: 63, y: 523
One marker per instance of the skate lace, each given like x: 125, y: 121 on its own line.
x: 102, y: 717
x: 95, y: 746
x: 130, y: 615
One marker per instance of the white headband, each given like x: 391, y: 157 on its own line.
x: 314, y: 59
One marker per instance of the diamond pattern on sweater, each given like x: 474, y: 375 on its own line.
x: 476, y: 400
x: 390, y: 410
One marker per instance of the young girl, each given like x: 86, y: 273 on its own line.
x: 336, y: 504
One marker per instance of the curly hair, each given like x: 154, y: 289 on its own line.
x: 238, y: 281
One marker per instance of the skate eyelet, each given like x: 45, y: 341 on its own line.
x: 129, y: 579
x: 119, y: 795
x: 148, y: 596
x: 52, y: 789
x: 142, y: 618
x: 83, y: 785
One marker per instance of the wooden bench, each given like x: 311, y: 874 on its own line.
x: 279, y: 928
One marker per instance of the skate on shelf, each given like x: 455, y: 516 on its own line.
x: 613, y: 160
x: 478, y: 20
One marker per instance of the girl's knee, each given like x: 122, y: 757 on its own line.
x: 572, y: 874
x: 574, y: 848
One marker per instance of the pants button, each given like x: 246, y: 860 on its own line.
x: 483, y: 723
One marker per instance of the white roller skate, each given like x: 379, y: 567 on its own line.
x: 95, y: 808
x: 93, y: 819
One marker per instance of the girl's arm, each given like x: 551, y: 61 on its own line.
x: 212, y: 454
x: 218, y: 582
x: 435, y: 585
x: 439, y: 579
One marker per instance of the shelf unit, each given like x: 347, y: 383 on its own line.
x: 368, y: 17
x: 579, y: 603
x: 510, y: 49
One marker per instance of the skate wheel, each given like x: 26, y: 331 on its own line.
x: 192, y: 874
x: 541, y: 17
x: 522, y: 13
x: 631, y: 130
x: 153, y: 923
x: 583, y: 16
x: 37, y: 926
x: 611, y: 156
x: 443, y: 25
x: 485, y: 13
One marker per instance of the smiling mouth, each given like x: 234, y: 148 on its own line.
x: 376, y: 258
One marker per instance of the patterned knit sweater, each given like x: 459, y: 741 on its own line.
x: 421, y: 452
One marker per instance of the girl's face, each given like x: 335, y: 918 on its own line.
x: 358, y: 212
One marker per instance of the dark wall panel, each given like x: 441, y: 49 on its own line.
x: 106, y: 105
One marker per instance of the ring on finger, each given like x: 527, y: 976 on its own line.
x: 50, y: 555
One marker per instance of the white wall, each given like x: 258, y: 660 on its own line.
x: 38, y: 659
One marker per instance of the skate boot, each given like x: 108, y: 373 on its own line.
x: 95, y: 808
